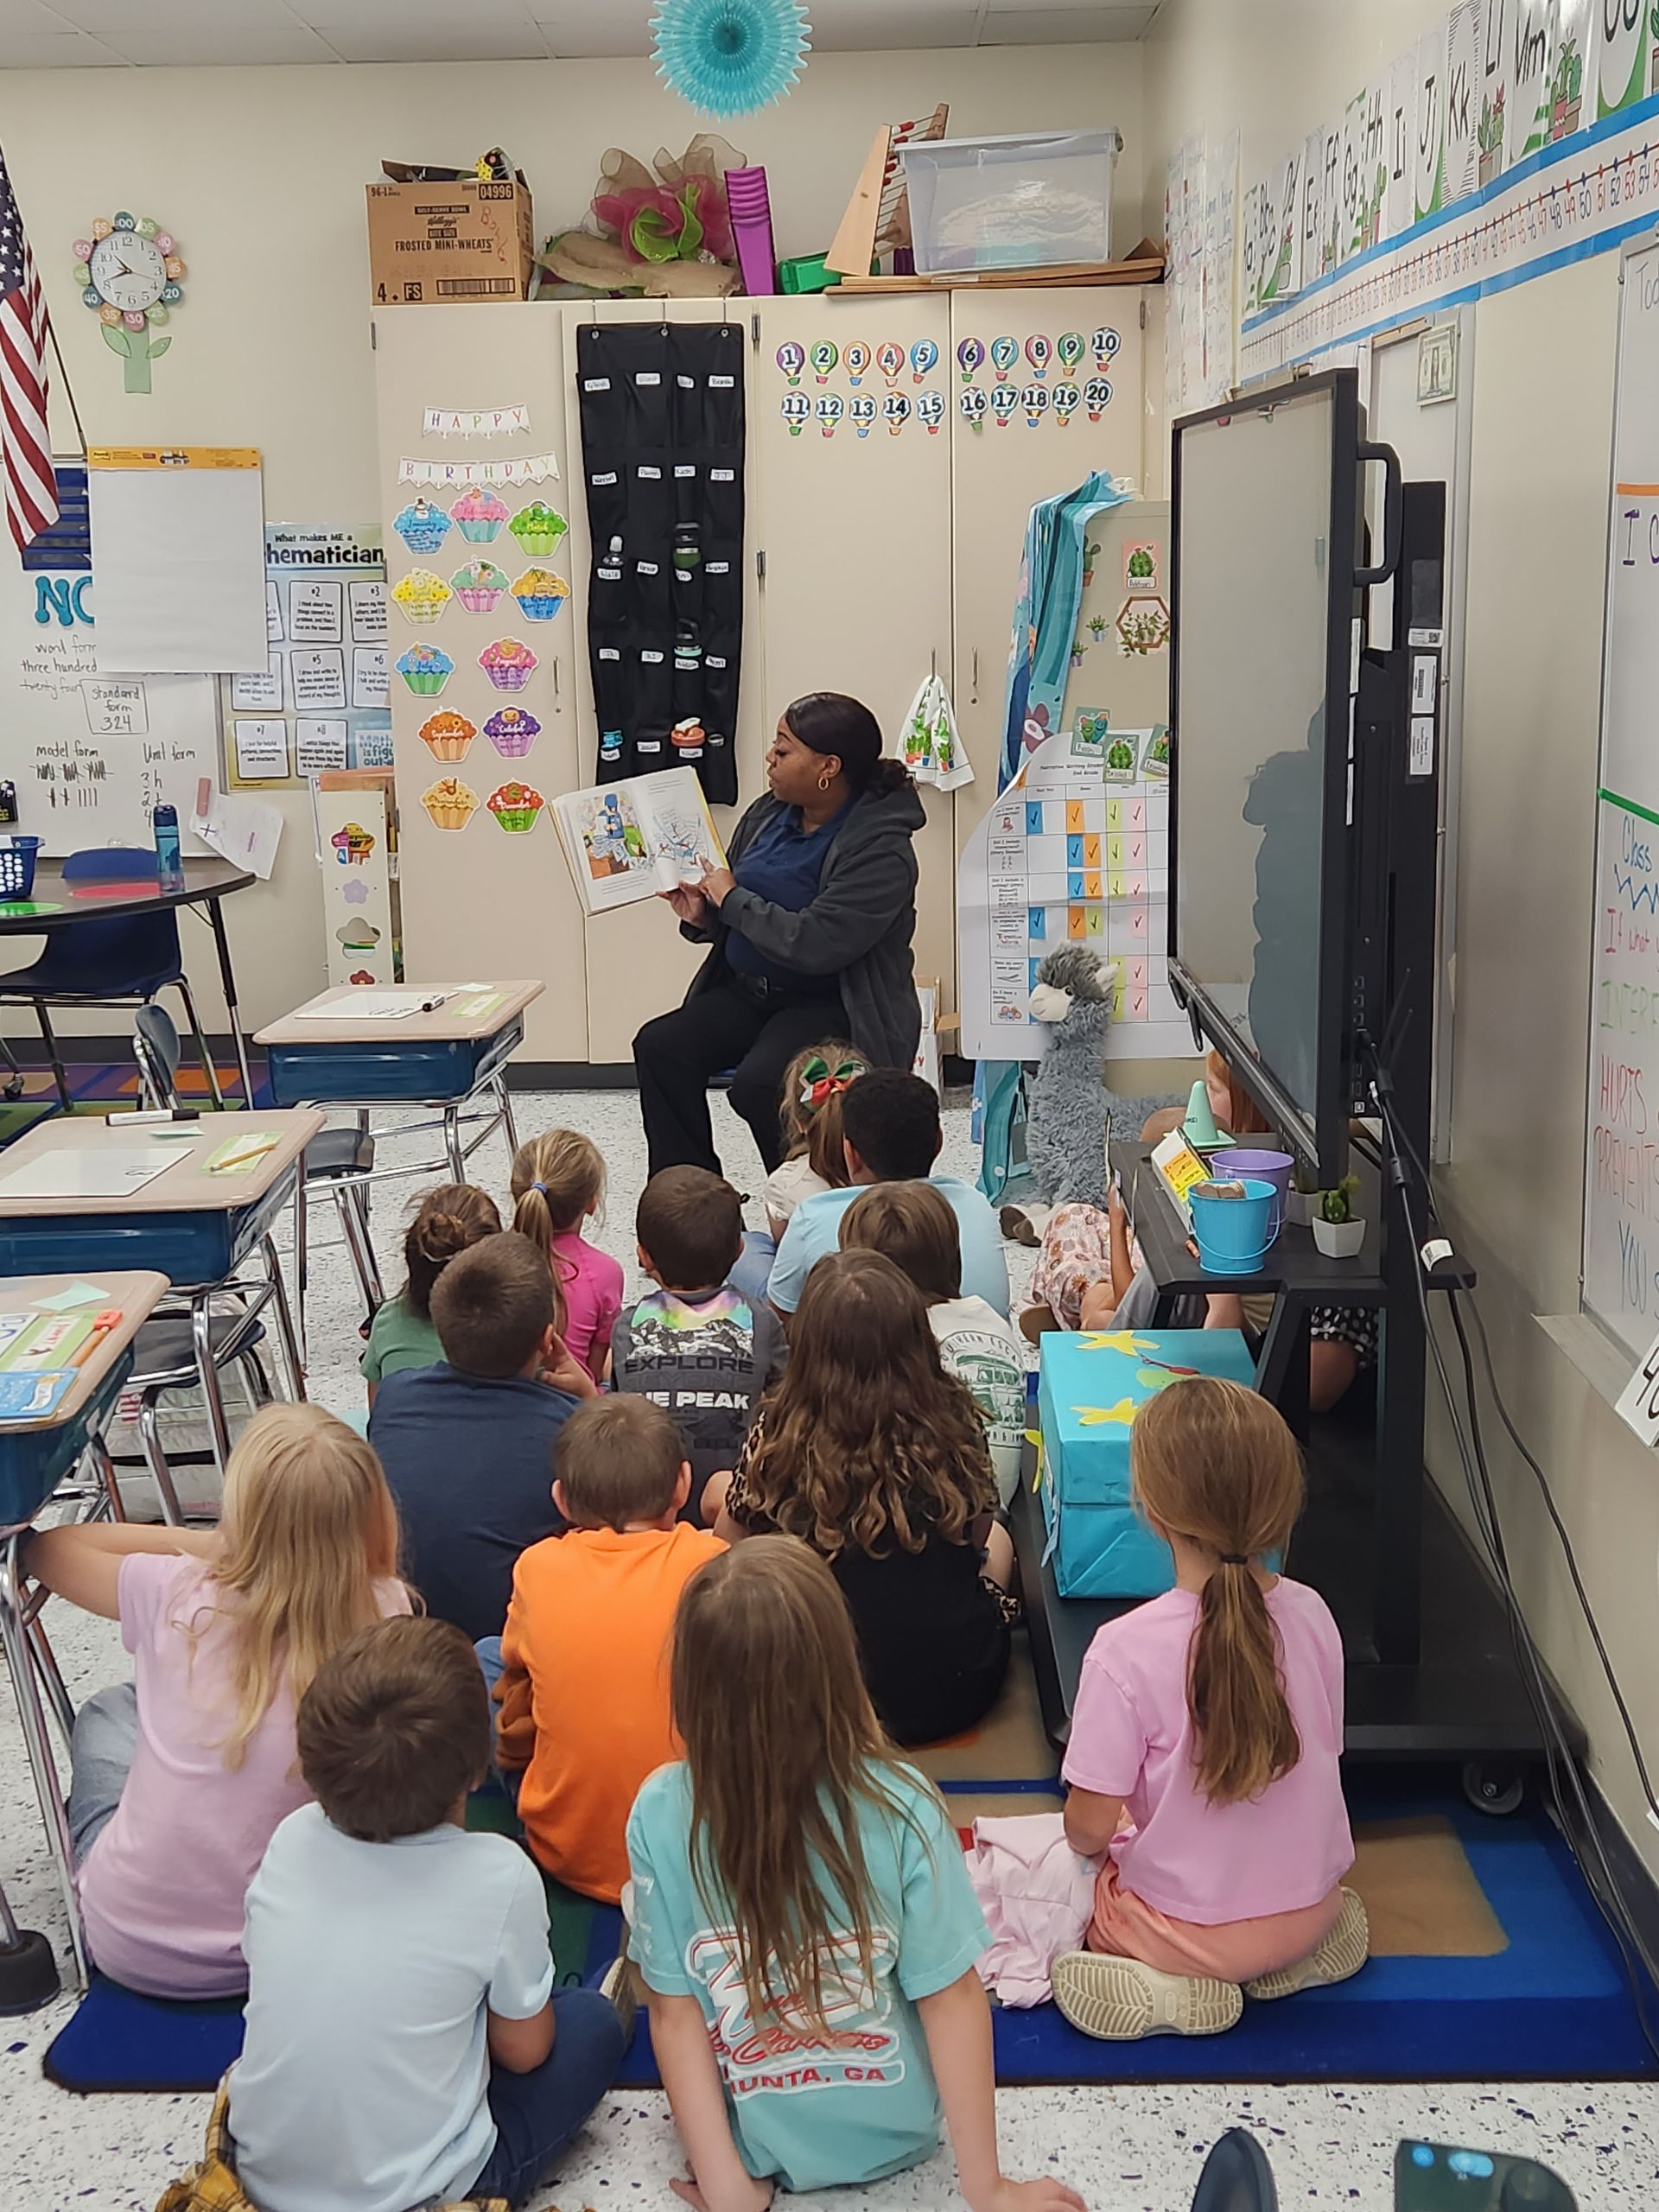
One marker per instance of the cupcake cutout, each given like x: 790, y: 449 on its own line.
x: 353, y: 845
x: 448, y: 736
x: 422, y: 526
x: 508, y: 663
x: 423, y: 595
x: 540, y: 594
x: 513, y: 732
x: 425, y: 670
x: 479, y: 586
x: 450, y: 803
x: 516, y: 806
x: 538, y: 527
x: 477, y: 514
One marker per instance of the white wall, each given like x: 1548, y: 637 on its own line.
x: 260, y: 176
x: 1538, y: 507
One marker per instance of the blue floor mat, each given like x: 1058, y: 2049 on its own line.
x: 1551, y: 2006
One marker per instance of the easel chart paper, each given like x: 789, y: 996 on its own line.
x: 178, y: 540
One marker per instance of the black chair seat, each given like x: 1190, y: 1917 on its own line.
x: 339, y: 1152
x: 167, y: 1347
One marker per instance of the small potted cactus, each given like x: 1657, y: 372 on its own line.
x: 1335, y: 1232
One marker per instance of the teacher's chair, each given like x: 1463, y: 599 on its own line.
x: 122, y: 961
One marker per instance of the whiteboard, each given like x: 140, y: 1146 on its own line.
x: 1621, y: 1213
x: 91, y: 755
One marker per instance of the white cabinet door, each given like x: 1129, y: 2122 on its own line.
x: 480, y: 900
x: 1052, y: 380
x: 852, y: 455
x: 637, y: 963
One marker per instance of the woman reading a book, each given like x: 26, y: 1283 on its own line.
x: 810, y: 929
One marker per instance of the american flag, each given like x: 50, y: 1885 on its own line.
x: 31, y: 487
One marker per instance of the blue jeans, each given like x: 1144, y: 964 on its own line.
x: 753, y: 1269
x: 491, y: 1667
x: 536, y: 2113
x: 101, y: 1752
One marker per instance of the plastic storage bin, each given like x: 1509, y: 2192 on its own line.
x: 1035, y: 200
x: 17, y: 856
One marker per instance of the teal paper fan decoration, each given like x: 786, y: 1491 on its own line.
x: 729, y: 57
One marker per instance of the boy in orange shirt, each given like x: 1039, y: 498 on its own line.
x: 583, y: 1706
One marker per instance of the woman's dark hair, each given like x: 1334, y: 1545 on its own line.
x: 829, y: 721
x: 447, y: 1221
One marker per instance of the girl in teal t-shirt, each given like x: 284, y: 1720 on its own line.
x: 792, y: 1832
x: 401, y: 1335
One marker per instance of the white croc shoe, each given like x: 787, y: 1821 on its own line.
x: 1341, y: 1955
x: 1120, y: 2000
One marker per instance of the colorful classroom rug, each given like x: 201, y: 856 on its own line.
x: 1489, y: 1960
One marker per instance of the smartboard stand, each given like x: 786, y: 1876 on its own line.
x: 1431, y: 1666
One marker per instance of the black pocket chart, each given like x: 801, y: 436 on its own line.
x: 662, y: 437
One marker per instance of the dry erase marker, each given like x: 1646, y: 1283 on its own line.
x: 149, y: 1117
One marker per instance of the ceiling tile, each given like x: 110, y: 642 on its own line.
x: 162, y: 33
x: 451, y: 38
x: 883, y: 26
x: 593, y: 30
x: 1041, y: 26
x: 63, y: 49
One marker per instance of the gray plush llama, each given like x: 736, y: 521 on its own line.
x: 1069, y: 1111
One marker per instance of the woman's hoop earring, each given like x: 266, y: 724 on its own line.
x: 824, y: 782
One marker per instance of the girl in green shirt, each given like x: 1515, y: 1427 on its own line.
x: 400, y: 1334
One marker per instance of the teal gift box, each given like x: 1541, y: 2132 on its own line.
x: 1089, y: 1388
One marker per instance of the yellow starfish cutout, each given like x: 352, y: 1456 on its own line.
x: 1117, y: 1340
x: 1122, y: 1412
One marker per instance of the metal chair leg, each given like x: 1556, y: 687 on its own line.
x: 284, y: 1318
x: 207, y: 1067
x: 207, y: 1374
x: 57, y: 1696
x: 508, y: 1124
x: 453, y: 1144
x: 109, y: 1481
x: 149, y: 1440
x: 49, y: 1039
x: 19, y: 1662
x: 349, y: 1203
x: 301, y: 1255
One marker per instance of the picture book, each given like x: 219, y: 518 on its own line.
x: 628, y: 840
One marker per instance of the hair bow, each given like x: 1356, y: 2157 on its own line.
x: 820, y: 1081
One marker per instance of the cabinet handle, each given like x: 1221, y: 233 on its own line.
x: 933, y: 662
x: 973, y: 681
x: 557, y: 707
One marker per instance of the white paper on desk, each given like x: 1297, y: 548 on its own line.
x: 245, y: 831
x: 89, y: 1174
x: 78, y: 1293
x: 368, y: 1005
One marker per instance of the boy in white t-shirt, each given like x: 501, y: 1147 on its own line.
x: 918, y: 1230
x: 403, y: 2046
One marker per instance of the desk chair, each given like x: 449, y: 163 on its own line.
x: 123, y: 961
x: 337, y: 1159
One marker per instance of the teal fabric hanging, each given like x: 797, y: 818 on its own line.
x: 1045, y: 615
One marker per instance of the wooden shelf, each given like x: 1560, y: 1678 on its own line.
x: 1149, y: 272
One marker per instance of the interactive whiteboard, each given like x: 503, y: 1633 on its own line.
x: 1620, y: 1215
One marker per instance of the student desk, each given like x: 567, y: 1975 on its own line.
x: 207, y: 884
x: 35, y: 1457
x: 1431, y: 1671
x: 196, y: 1227
x: 444, y: 1059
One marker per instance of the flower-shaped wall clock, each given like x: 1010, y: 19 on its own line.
x: 128, y: 270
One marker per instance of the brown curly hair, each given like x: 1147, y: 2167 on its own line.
x: 867, y: 1441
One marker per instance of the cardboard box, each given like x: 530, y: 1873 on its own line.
x: 442, y: 244
x: 1089, y: 1388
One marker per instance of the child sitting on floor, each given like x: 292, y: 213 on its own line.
x: 809, y: 1116
x: 595, y: 1608
x: 871, y: 1453
x: 802, y: 1916
x: 558, y: 1181
x: 404, y: 2042
x: 695, y: 1345
x: 1204, y: 1742
x: 912, y: 1223
x: 401, y: 1335
x: 467, y: 1445
x: 180, y: 1776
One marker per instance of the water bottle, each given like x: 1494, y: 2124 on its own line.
x: 169, y: 865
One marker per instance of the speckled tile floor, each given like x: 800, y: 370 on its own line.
x: 1133, y: 2149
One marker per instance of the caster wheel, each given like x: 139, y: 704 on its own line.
x: 14, y: 1090
x: 1497, y: 1790
x: 28, y: 1972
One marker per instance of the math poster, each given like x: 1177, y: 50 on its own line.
x: 321, y: 702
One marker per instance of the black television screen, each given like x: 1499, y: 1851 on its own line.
x: 1264, y: 599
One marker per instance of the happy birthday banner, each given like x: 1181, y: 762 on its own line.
x: 1583, y: 196
x: 474, y: 421
x: 529, y: 468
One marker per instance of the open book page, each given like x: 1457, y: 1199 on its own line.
x: 628, y: 840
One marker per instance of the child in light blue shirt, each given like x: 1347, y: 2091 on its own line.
x: 819, y: 1849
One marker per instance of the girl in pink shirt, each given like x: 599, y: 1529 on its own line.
x: 1203, y: 1748
x: 558, y: 1181
x: 180, y: 1777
